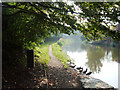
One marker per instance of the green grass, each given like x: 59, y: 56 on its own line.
x: 57, y: 51
x: 42, y: 53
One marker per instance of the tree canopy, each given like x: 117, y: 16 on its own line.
x: 40, y: 19
x: 26, y: 22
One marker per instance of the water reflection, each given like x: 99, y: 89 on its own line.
x: 95, y: 56
x: 100, y: 60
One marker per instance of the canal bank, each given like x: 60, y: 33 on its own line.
x: 97, y: 59
x: 91, y: 82
x: 62, y: 77
x: 102, y: 61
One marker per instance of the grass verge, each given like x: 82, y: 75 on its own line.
x: 57, y: 51
x: 41, y: 54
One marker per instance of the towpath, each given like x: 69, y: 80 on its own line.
x: 54, y: 62
x: 59, y: 76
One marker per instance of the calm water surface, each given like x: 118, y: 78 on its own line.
x: 102, y: 61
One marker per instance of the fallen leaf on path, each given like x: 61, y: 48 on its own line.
x: 50, y: 83
x: 44, y: 81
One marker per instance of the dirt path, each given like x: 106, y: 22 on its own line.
x: 60, y: 77
x: 54, y: 62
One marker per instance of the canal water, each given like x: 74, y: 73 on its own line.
x: 102, y: 61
